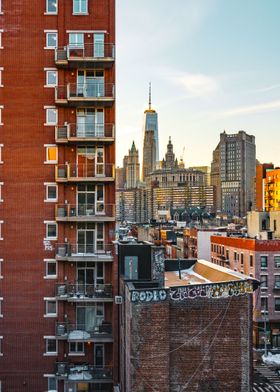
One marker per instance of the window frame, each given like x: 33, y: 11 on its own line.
x: 51, y: 85
x: 1, y: 349
x: 276, y: 298
x: 47, y: 147
x: 262, y: 267
x: 1, y: 123
x: 276, y: 256
x: 76, y: 352
x: 53, y: 223
x: 47, y: 352
x: 1, y: 39
x: 47, y: 262
x: 48, y: 109
x: 1, y: 199
x: 1, y: 73
x: 1, y: 302
x: 1, y: 238
x: 47, y: 300
x: 48, y: 34
x: 52, y: 376
x: 51, y: 12
x: 47, y: 186
x: 80, y: 7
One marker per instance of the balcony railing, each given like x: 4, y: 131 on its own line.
x: 91, y: 92
x: 83, y: 372
x: 85, y: 172
x: 85, y: 52
x: 81, y: 132
x: 84, y: 333
x: 102, y: 252
x: 84, y: 292
x: 85, y: 212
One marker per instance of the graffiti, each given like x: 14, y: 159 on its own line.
x: 221, y: 290
x: 47, y: 245
x: 148, y: 296
x: 158, y: 265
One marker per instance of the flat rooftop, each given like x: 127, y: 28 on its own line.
x: 202, y: 272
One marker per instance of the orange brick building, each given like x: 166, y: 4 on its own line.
x: 57, y: 195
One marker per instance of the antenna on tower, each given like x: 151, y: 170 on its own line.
x: 150, y: 96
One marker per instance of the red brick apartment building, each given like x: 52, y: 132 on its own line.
x: 261, y: 260
x: 57, y: 195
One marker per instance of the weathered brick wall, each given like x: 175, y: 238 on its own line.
x: 192, y: 345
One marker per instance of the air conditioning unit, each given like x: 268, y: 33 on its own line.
x: 118, y: 299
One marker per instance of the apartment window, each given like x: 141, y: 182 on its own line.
x: 51, y: 192
x: 277, y: 304
x: 277, y: 261
x: 1, y: 12
x: 51, y: 40
x: 76, y: 348
x: 251, y: 261
x: 1, y: 31
x: 51, y: 230
x: 242, y: 259
x: 1, y: 108
x: 235, y: 256
x: 52, y: 383
x: 1, y: 76
x: 51, y: 78
x: 1, y: 222
x: 1, y: 300
x: 51, y: 307
x: 51, y: 269
x: 1, y: 184
x: 51, y: 345
x: 76, y: 40
x: 264, y: 305
x: 1, y: 351
x: 277, y: 281
x: 51, y: 154
x: 263, y: 281
x: 80, y: 6
x: 263, y: 262
x: 51, y: 6
x: 51, y: 116
x: 1, y: 276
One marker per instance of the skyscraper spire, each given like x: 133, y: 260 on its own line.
x: 150, y: 96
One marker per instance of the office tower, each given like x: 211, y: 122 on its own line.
x: 151, y: 124
x: 235, y: 168
x: 216, y: 177
x: 132, y: 168
x: 57, y: 106
x: 149, y: 154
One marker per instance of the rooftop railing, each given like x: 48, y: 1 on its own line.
x: 100, y: 251
x: 85, y: 171
x: 83, y: 372
x: 85, y: 211
x: 87, y: 130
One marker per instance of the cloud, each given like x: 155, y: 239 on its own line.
x: 269, y: 88
x: 197, y: 85
x: 253, y: 109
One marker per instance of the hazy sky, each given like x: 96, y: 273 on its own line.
x: 214, y: 65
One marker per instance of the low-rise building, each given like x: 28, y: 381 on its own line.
x: 176, y: 325
x: 259, y: 259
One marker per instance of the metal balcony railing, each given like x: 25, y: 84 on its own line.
x: 86, y: 171
x: 85, y: 211
x: 101, y: 251
x: 83, y: 372
x: 83, y: 291
x: 87, y: 130
x: 95, y: 91
x: 88, y: 52
x: 82, y: 332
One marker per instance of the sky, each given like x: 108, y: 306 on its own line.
x: 214, y: 65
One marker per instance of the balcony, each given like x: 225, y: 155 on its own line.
x: 84, y: 252
x: 83, y: 373
x: 98, y: 212
x: 82, y: 292
x: 95, y: 93
x: 87, y: 172
x: 82, y: 333
x: 85, y: 56
x: 83, y: 133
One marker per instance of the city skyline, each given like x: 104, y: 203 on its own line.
x: 215, y: 69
